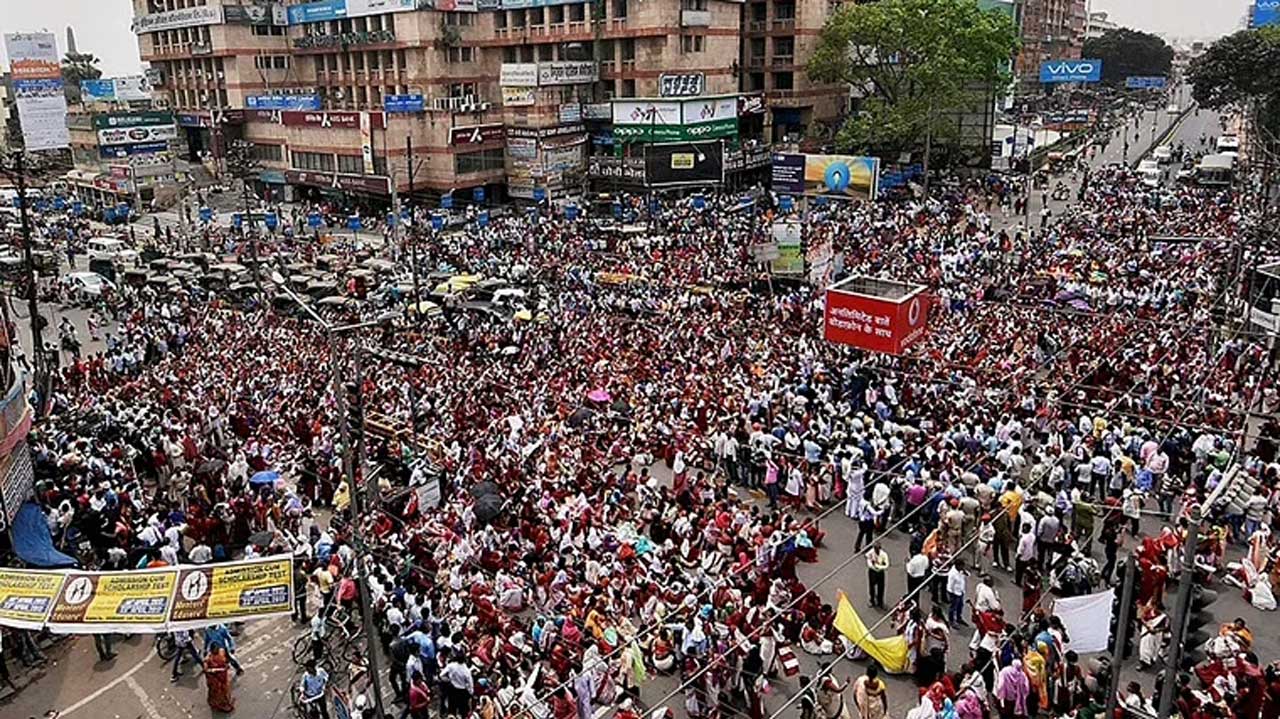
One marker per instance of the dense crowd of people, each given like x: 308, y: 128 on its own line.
x: 669, y: 439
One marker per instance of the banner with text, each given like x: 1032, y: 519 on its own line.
x: 37, y: 90
x: 219, y: 593
x: 27, y: 596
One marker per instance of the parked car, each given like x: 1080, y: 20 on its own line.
x: 87, y: 286
x: 109, y: 248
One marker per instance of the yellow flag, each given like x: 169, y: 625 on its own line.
x: 891, y: 653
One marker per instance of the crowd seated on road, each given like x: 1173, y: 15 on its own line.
x: 667, y: 451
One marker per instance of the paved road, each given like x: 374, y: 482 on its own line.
x: 135, y: 684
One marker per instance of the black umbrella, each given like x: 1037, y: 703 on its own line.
x: 211, y: 467
x: 489, y: 501
x: 579, y: 417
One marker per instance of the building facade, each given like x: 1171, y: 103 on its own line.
x: 509, y: 95
x: 1099, y: 25
x: 1051, y: 30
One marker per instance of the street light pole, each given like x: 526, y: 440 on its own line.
x: 33, y: 302
x: 410, y: 233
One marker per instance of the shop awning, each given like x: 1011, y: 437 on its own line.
x: 32, y: 542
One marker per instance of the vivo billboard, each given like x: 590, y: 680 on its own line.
x: 1265, y: 12
x: 1070, y: 71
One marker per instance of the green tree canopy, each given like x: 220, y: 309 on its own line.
x: 1241, y: 71
x: 1126, y: 52
x: 77, y: 66
x: 914, y: 61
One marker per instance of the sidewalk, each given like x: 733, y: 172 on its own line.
x: 52, y: 647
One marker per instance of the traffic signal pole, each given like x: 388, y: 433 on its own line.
x: 1173, y: 657
x: 1122, y: 630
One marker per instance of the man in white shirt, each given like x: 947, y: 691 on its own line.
x: 917, y: 569
x: 1026, y: 552
x: 957, y: 589
x: 877, y: 563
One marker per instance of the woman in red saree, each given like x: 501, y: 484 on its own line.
x: 218, y: 679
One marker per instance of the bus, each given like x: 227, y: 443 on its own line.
x: 1215, y: 171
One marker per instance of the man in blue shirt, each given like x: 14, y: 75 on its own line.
x: 314, y: 684
x: 218, y: 636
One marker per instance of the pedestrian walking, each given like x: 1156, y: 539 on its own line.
x: 877, y: 564
x: 186, y: 645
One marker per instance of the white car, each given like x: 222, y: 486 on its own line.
x: 1163, y: 154
x: 109, y: 248
x: 1173, y: 109
x: 87, y: 285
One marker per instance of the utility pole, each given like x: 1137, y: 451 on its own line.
x: 1182, y: 609
x: 412, y: 230
x: 1122, y: 630
x: 928, y: 149
x: 33, y: 302
x: 349, y: 455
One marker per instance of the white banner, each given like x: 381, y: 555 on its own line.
x: 519, y: 96
x: 360, y: 8
x: 37, y: 90
x: 366, y: 142
x: 132, y: 88
x: 646, y: 112
x: 1087, y: 620
x: 187, y: 17
x: 567, y: 72
x: 131, y: 135
x: 518, y: 74
x: 709, y: 110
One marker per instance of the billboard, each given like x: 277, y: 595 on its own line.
x: 26, y: 597
x: 134, y: 88
x: 1055, y: 71
x: 877, y: 324
x: 684, y: 163
x: 37, y: 90
x: 108, y: 152
x: 129, y: 135
x: 518, y: 74
x: 1147, y: 82
x: 404, y: 103
x: 519, y: 96
x: 194, y: 16
x: 1265, y: 12
x: 476, y: 134
x: 214, y: 594
x: 567, y: 72
x: 683, y: 84
x: 282, y: 102
x: 846, y: 176
x: 131, y: 119
x: 789, y: 259
x: 102, y: 602
x: 675, y: 120
x: 317, y: 12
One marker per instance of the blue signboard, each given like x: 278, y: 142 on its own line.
x: 313, y: 220
x: 539, y: 194
x: 103, y: 90
x: 785, y: 203
x: 206, y: 214
x: 437, y: 222
x: 483, y: 219
x: 699, y: 202
x: 1265, y: 12
x: 404, y: 103
x: 391, y: 219
x: 317, y: 11
x: 446, y: 201
x: 272, y: 221
x: 478, y: 194
x: 235, y: 220
x: 282, y: 102
x: 1147, y: 82
x: 571, y: 212
x: 1055, y: 71
x: 77, y: 208
x: 142, y: 148
x: 353, y: 223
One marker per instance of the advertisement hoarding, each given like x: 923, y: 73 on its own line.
x: 317, y: 12
x: 27, y: 597
x: 519, y: 96
x: 1265, y: 12
x: 331, y: 120
x: 102, y: 602
x: 1055, y: 71
x: 684, y: 163
x: 476, y: 134
x: 518, y: 74
x: 683, y: 84
x: 282, y: 102
x: 194, y: 16
x: 1146, y: 82
x: 567, y: 72
x: 145, y: 133
x: 219, y: 593
x: 790, y: 255
x: 37, y: 90
x: 362, y: 8
x: 877, y: 324
x: 404, y: 103
x: 108, y: 152
x: 131, y: 119
x: 714, y: 109
x: 830, y: 175
x: 100, y: 90
x: 132, y: 88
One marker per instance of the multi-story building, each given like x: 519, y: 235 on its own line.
x: 334, y: 93
x: 1051, y: 30
x: 1099, y: 25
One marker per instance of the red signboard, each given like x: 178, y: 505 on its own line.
x: 873, y: 323
x: 476, y: 134
x: 334, y: 120
x: 375, y: 184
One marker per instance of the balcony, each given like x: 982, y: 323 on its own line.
x: 783, y: 23
x: 779, y: 60
x: 757, y: 26
x: 755, y: 61
x: 695, y: 18
x: 618, y: 24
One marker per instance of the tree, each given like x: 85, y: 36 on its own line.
x: 77, y: 66
x: 1240, y: 71
x: 916, y: 62
x: 1126, y: 52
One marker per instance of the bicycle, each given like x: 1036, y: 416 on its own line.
x: 305, y: 708
x: 166, y: 646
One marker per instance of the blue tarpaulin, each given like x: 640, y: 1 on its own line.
x: 32, y: 542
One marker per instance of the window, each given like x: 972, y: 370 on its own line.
x: 271, y: 62
x: 462, y: 89
x: 519, y: 18
x: 351, y: 164
x: 461, y: 19
x: 557, y: 14
x: 783, y: 81
x: 619, y: 9
x: 536, y: 16
x: 264, y: 30
x: 481, y: 161
x: 628, y: 49
x: 784, y: 47
x: 628, y: 88
x: 577, y: 13
x: 692, y: 43
x: 546, y: 53
x: 693, y: 4
x: 606, y: 51
x: 268, y: 153
x: 509, y: 54
x: 314, y: 161
x: 461, y: 54
x: 784, y: 12
x: 500, y: 20
x: 755, y: 82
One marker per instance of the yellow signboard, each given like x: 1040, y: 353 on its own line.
x: 94, y: 602
x: 232, y: 592
x: 26, y: 597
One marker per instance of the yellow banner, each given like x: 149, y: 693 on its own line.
x: 92, y: 602
x: 891, y: 652
x: 233, y: 592
x: 26, y: 597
